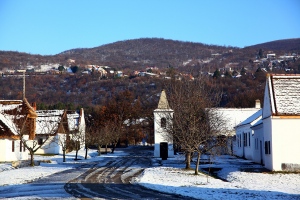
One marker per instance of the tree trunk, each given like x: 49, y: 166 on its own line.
x: 76, y: 154
x: 86, y: 151
x: 31, y: 158
x: 114, y: 147
x: 64, y: 154
x: 99, y: 150
x: 188, y: 160
x: 106, y: 148
x: 197, y: 163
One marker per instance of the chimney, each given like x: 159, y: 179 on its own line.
x: 257, y: 103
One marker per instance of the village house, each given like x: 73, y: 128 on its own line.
x: 232, y: 118
x: 244, y: 136
x: 58, y: 127
x: 19, y: 119
x: 272, y: 137
x: 12, y: 118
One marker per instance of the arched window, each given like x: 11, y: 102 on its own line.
x: 163, y: 123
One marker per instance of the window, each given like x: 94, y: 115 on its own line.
x: 13, y: 146
x: 249, y: 138
x: 245, y: 139
x: 20, y: 146
x: 163, y: 122
x: 40, y: 141
x: 267, y: 147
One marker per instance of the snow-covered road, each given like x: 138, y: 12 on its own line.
x: 243, y: 179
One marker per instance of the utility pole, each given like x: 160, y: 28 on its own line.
x: 23, y: 85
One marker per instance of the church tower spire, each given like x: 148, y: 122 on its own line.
x: 163, y: 101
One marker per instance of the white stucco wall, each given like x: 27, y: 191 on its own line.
x: 244, y: 151
x: 285, y: 142
x: 258, y: 149
x: 267, y: 130
x: 7, y: 155
x: 51, y: 146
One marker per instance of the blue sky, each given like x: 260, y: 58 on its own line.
x: 48, y: 27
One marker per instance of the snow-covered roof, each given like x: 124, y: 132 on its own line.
x: 285, y: 94
x: 73, y: 120
x: 8, y: 121
x: 252, y: 119
x: 260, y: 121
x: 11, y: 112
x: 235, y: 116
x: 48, y: 121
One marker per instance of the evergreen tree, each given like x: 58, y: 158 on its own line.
x: 243, y: 71
x: 217, y: 73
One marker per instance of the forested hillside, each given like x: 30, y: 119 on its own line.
x: 239, y: 72
x: 138, y: 53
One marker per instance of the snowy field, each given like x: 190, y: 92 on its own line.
x: 240, y: 178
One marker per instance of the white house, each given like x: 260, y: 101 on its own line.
x: 245, y: 141
x: 233, y: 117
x: 12, y: 113
x: 163, y: 144
x: 275, y: 135
x: 59, y: 126
x: 281, y: 122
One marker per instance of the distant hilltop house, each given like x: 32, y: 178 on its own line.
x: 98, y: 69
x: 271, y: 55
x: 271, y: 136
x: 38, y: 126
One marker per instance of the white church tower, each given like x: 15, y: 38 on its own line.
x: 163, y: 144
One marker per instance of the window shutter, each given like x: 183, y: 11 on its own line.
x: 20, y: 146
x: 13, y: 146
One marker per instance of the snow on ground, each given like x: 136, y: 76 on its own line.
x: 12, y: 176
x: 240, y: 179
x: 234, y: 182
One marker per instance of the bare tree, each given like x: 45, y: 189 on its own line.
x: 196, y: 124
x: 77, y: 137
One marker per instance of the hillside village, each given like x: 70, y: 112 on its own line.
x: 270, y: 62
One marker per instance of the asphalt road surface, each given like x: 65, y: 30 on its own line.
x: 110, y: 178
x: 112, y: 181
